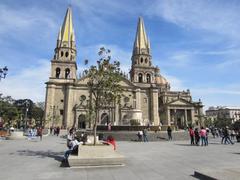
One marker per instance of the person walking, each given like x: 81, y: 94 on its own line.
x: 169, y: 132
x: 145, y: 139
x: 226, y: 136
x: 191, y: 134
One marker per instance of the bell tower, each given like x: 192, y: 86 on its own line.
x: 142, y: 70
x: 59, y: 89
x: 63, y: 65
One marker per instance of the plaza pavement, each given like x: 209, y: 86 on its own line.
x: 39, y: 160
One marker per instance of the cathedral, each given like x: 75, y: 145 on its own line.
x: 146, y: 100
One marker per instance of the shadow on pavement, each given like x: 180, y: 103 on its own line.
x: 58, y: 156
x: 183, y: 144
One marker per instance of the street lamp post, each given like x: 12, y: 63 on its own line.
x: 3, y: 72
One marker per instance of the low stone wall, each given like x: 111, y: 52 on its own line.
x: 133, y: 128
x: 152, y: 136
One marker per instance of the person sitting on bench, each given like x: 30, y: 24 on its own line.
x: 73, y: 149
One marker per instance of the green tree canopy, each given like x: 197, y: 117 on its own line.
x: 103, y: 84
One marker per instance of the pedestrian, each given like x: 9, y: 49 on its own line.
x: 191, y: 134
x: 207, y: 133
x: 39, y: 133
x: 51, y: 130
x: 226, y: 136
x: 160, y: 126
x: 232, y: 135
x: 203, y: 136
x: 140, y: 135
x: 169, y: 132
x: 148, y: 126
x: 58, y: 130
x: 197, y: 137
x: 109, y: 126
x: 145, y: 139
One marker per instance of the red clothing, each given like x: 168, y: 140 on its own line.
x: 191, y: 132
x: 111, y: 141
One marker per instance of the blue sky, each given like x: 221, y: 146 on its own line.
x: 196, y: 44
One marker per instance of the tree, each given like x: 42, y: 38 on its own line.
x: 103, y: 85
x: 9, y: 113
x: 208, y: 122
x: 37, y: 114
x: 222, y: 122
x: 236, y: 125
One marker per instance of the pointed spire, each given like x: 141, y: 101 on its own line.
x: 59, y: 34
x: 66, y: 36
x: 141, y: 40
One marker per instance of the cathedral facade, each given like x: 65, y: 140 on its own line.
x: 147, y: 98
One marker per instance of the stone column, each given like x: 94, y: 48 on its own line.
x: 49, y: 102
x: 186, y: 118
x: 192, y: 116
x: 68, y: 119
x: 116, y: 114
x: 168, y: 117
x: 138, y: 99
x: 154, y: 107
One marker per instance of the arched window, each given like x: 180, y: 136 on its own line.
x: 62, y: 53
x: 66, y: 54
x: 141, y: 60
x: 58, y: 71
x: 81, y: 121
x: 140, y: 77
x: 146, y: 60
x: 104, y: 119
x: 67, y: 73
x: 148, y: 78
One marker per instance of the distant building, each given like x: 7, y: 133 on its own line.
x: 147, y: 97
x: 227, y: 112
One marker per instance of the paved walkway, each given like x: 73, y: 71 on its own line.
x: 34, y: 160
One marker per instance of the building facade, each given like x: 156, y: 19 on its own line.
x: 223, y: 112
x: 146, y: 98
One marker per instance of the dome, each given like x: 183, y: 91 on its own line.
x: 161, y: 80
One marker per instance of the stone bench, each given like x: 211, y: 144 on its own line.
x: 99, y: 155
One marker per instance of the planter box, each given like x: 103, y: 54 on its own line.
x: 16, y: 135
x: 99, y: 155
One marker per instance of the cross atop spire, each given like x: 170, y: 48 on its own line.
x: 141, y: 43
x: 66, y: 33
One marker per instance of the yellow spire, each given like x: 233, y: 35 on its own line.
x: 141, y: 40
x: 67, y: 31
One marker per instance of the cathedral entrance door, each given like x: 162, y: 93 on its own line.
x: 104, y: 119
x: 81, y: 121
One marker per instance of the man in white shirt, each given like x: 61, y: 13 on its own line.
x: 73, y: 145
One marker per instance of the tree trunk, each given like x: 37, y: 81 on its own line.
x: 95, y: 129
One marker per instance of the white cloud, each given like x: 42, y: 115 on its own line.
x: 214, y: 16
x: 28, y: 83
x: 24, y: 22
x: 175, y: 83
